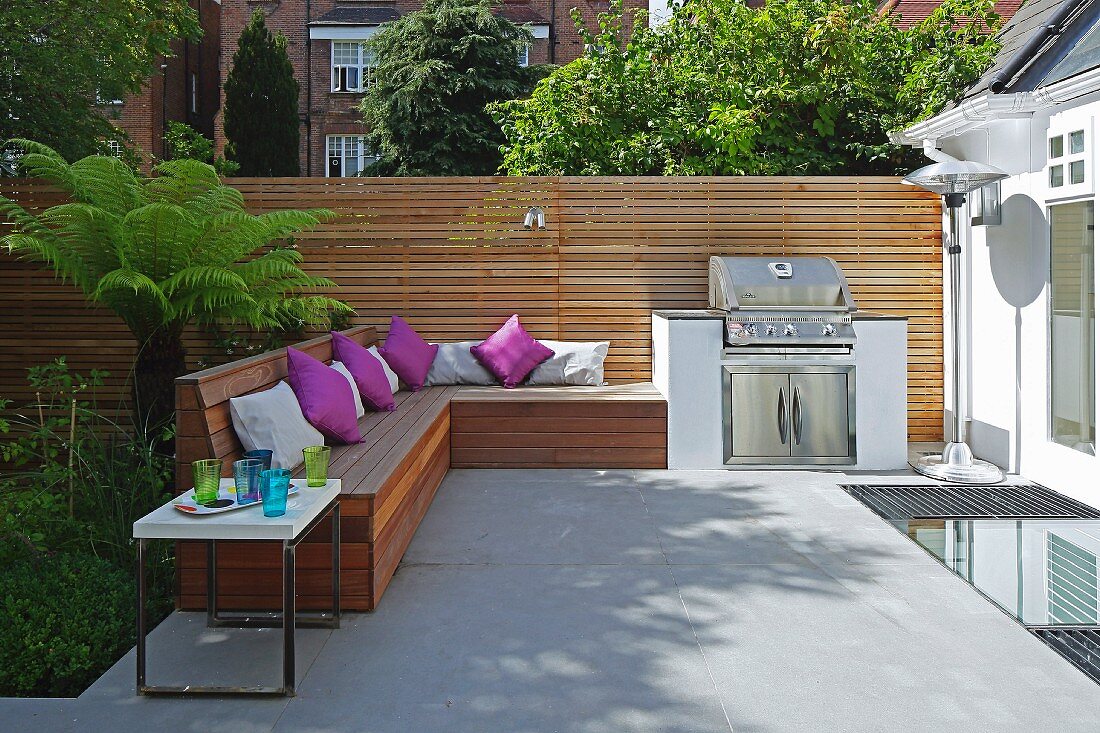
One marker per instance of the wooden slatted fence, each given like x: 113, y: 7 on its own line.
x: 452, y: 256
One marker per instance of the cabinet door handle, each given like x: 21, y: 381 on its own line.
x: 781, y: 416
x: 796, y: 416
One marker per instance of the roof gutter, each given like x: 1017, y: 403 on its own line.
x: 987, y: 107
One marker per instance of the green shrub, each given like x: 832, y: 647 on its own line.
x: 64, y: 620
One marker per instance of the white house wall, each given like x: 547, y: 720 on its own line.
x: 1007, y: 308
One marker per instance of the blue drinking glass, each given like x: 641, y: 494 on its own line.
x: 246, y: 477
x: 274, y: 485
x: 262, y: 455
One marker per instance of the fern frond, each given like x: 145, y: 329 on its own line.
x: 199, y: 277
x: 108, y: 183
x: 139, y: 283
x: 159, y: 238
x: 46, y: 248
x: 180, y: 181
x: 89, y: 232
x: 42, y: 161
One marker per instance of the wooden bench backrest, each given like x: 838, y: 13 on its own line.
x: 204, y: 428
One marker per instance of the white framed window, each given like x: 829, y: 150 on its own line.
x: 352, y: 67
x: 194, y: 93
x: 347, y: 156
x: 524, y: 55
x: 1069, y: 158
x: 114, y: 147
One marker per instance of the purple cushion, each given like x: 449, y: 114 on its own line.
x: 510, y: 353
x: 409, y: 356
x: 368, y: 373
x: 324, y: 395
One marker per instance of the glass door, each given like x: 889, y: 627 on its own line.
x: 1072, y: 327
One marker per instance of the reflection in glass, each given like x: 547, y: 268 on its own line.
x: 1072, y: 343
x: 1056, y: 147
x: 1077, y: 171
x: 1042, y: 572
x: 1077, y: 141
x: 1055, y: 176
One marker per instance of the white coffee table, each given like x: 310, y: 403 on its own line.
x: 305, y: 510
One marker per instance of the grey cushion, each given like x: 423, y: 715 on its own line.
x: 359, y: 409
x: 573, y: 362
x: 454, y: 364
x: 273, y: 420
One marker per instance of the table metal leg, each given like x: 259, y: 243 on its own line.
x: 141, y: 619
x: 211, y: 583
x: 288, y: 617
x: 336, y: 564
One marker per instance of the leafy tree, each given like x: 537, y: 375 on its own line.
x: 163, y: 253
x: 795, y: 87
x: 261, y: 104
x: 437, y: 69
x: 60, y: 57
x: 184, y: 141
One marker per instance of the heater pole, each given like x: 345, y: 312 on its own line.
x: 954, y: 202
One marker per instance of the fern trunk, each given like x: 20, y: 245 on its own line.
x: 159, y: 361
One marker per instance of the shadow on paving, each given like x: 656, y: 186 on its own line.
x: 609, y: 601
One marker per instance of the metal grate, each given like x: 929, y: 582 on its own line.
x: 1024, y: 501
x: 1081, y: 647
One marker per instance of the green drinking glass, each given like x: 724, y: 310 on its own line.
x: 317, y: 464
x: 207, y: 475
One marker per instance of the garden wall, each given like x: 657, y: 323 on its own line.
x: 453, y: 256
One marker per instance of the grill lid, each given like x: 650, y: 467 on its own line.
x: 772, y: 283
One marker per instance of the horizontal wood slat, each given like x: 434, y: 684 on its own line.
x: 453, y: 257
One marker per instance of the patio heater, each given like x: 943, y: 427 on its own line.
x: 953, y: 180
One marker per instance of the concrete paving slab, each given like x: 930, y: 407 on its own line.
x: 516, y: 648
x: 518, y: 520
x: 595, y: 601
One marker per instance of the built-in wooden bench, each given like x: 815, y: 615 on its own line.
x: 389, y: 481
x: 619, y: 426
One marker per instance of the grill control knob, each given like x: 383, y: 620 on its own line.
x: 790, y: 330
x: 769, y: 330
x: 828, y: 330
x: 750, y: 330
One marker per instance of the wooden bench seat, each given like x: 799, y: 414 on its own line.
x: 389, y: 480
x: 619, y: 426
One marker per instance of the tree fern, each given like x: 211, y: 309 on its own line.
x: 167, y: 251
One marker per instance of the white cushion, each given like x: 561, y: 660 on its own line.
x: 454, y: 364
x: 390, y: 374
x: 273, y: 420
x: 359, y: 410
x: 573, y: 362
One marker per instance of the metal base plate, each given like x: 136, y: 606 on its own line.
x: 975, y: 472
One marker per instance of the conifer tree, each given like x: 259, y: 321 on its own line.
x: 261, y: 104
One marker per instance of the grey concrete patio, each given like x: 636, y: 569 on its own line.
x: 626, y: 601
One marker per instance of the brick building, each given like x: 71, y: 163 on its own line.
x: 186, y: 88
x: 324, y: 38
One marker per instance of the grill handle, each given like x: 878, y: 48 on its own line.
x: 781, y: 416
x: 796, y: 416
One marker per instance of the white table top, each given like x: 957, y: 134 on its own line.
x: 249, y: 523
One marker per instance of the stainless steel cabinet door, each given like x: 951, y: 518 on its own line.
x: 759, y: 415
x: 819, y: 414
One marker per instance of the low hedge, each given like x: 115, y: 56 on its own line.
x: 64, y: 620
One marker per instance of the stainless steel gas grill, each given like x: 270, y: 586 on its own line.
x: 788, y: 366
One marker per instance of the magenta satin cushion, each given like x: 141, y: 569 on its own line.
x: 510, y: 353
x: 324, y: 395
x: 370, y: 376
x: 409, y: 356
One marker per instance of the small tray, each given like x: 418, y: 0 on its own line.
x: 186, y: 502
